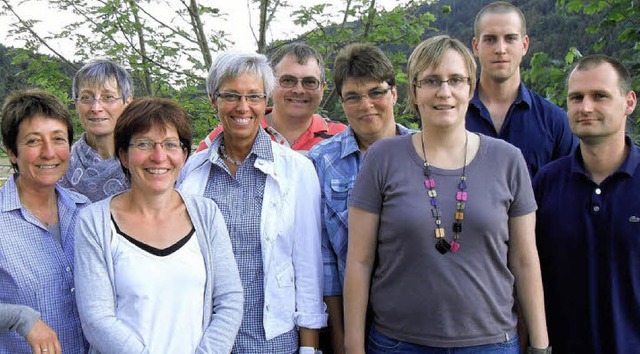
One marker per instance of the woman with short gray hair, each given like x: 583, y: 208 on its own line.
x: 101, y: 90
x: 270, y: 198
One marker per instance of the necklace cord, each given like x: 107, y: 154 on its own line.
x: 461, y: 197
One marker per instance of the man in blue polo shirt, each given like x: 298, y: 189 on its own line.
x: 588, y: 229
x: 365, y: 81
x: 502, y: 106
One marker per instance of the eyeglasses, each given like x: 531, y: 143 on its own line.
x: 106, y: 100
x: 435, y: 83
x: 169, y: 145
x: 230, y: 97
x: 373, y: 95
x: 308, y: 83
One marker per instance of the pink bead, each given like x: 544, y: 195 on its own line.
x: 430, y: 183
x: 460, y: 196
x: 454, y: 246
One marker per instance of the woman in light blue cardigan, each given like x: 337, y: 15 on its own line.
x: 143, y: 286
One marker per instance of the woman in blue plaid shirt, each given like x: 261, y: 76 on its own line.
x: 38, y: 218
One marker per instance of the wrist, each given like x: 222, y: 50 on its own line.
x: 532, y: 350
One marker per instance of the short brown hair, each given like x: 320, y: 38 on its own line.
x: 363, y: 62
x: 26, y: 104
x: 592, y: 61
x: 499, y: 7
x: 302, y: 52
x: 143, y: 114
x: 428, y: 55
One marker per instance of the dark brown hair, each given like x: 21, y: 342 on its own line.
x: 26, y: 104
x: 143, y: 114
x: 362, y: 62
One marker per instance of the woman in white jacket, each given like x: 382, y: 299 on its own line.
x: 269, y: 196
x: 156, y: 272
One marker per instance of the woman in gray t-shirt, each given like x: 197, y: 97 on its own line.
x: 448, y: 216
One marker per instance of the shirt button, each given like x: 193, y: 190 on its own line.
x: 68, y: 269
x: 598, y: 191
x: 73, y: 289
x: 267, y: 307
x: 596, y: 208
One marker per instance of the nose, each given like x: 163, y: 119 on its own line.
x: 586, y: 105
x: 47, y: 150
x: 158, y: 153
x: 444, y: 90
x: 243, y: 105
x: 96, y: 105
x: 500, y: 46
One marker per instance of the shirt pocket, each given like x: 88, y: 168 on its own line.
x: 338, y: 200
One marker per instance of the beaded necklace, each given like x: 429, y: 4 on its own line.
x: 223, y: 152
x: 461, y: 197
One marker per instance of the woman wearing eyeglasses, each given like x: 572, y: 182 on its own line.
x: 156, y: 272
x: 270, y: 199
x: 448, y: 216
x: 101, y: 91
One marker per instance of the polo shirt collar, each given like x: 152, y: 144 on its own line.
x: 628, y: 167
x: 524, y: 96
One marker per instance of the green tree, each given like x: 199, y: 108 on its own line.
x: 396, y: 31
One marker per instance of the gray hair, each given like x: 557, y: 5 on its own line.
x: 99, y: 72
x: 231, y: 64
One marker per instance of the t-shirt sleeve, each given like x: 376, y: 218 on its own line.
x: 524, y: 201
x: 367, y: 190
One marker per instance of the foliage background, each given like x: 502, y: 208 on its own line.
x: 170, y: 58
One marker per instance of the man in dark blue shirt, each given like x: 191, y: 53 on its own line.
x: 588, y: 229
x: 502, y: 106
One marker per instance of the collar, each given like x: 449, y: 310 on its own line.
x: 524, y: 96
x: 628, y: 167
x: 10, y: 199
x: 261, y: 146
x: 350, y: 144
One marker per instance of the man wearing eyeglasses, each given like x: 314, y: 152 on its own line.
x: 292, y: 121
x: 365, y: 82
x: 502, y: 106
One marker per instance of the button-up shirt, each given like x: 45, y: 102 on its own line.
x: 36, y: 269
x: 337, y: 162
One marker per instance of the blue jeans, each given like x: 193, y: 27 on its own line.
x: 378, y: 343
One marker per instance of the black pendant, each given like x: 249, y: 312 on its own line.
x: 443, y: 246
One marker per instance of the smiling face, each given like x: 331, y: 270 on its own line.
x: 596, y: 105
x: 155, y: 170
x: 500, y: 46
x: 99, y: 118
x: 297, y: 102
x: 444, y: 106
x: 241, y: 120
x: 370, y: 119
x: 42, y: 154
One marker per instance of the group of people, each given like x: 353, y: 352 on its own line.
x: 284, y: 222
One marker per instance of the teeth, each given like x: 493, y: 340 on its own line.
x: 47, y: 167
x: 443, y: 107
x: 242, y: 121
x: 157, y: 171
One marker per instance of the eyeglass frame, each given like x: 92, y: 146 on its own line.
x: 135, y: 143
x: 90, y: 101
x: 437, y: 83
x: 359, y: 98
x: 238, y: 97
x: 317, y: 82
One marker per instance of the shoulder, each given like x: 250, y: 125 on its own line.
x: 549, y: 108
x: 72, y: 196
x: 390, y: 144
x: 328, y: 147
x: 555, y: 168
x: 495, y: 145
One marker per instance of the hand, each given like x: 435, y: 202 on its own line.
x: 43, y: 340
